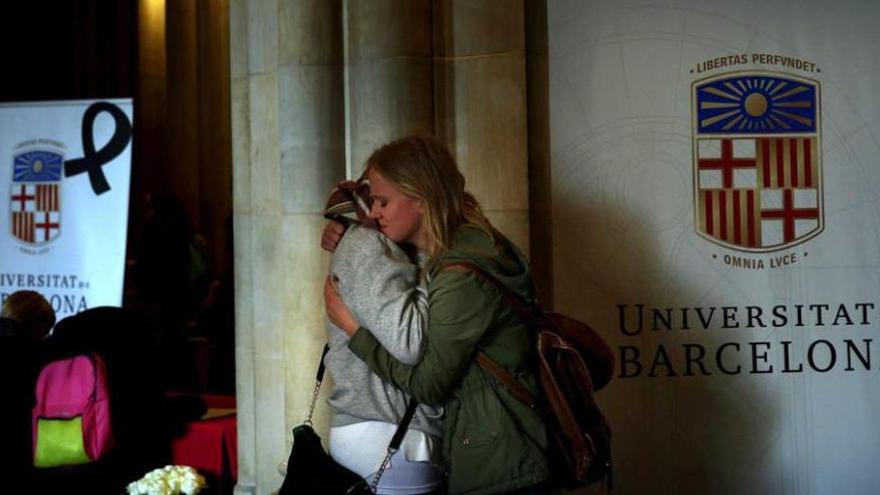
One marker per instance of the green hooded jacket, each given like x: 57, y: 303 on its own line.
x: 492, y: 443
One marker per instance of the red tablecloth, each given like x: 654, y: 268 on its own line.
x: 222, y: 401
x: 211, y: 447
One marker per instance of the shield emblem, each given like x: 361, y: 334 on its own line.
x: 36, y: 196
x: 757, y: 160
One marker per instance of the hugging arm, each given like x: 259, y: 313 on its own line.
x: 383, y: 291
x: 457, y: 319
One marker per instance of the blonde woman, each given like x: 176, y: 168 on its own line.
x: 492, y: 443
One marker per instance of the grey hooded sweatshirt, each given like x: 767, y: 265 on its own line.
x: 385, y: 292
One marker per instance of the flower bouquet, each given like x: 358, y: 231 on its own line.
x: 170, y: 480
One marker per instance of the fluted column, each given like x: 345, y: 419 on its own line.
x: 540, y: 198
x: 150, y: 109
x: 480, y: 79
x: 215, y: 188
x: 312, y: 140
x: 182, y: 123
x: 288, y: 150
x: 389, y: 81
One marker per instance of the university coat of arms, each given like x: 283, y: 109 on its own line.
x: 36, y: 196
x: 757, y: 160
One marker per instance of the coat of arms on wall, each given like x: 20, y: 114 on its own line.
x: 757, y: 160
x: 36, y: 196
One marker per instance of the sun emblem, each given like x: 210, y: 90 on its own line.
x: 759, y: 103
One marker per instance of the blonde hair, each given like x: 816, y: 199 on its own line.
x: 31, y: 310
x: 422, y: 167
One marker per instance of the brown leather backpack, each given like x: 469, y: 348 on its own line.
x: 573, y: 363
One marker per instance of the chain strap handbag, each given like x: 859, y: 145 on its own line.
x: 310, y: 469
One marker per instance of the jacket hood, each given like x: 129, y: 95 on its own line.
x: 495, y: 254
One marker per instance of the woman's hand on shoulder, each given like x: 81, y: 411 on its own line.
x: 337, y: 311
x: 331, y: 235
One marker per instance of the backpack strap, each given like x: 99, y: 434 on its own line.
x: 527, y: 312
x: 516, y: 388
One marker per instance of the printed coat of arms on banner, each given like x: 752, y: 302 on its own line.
x: 757, y: 160
x: 36, y: 196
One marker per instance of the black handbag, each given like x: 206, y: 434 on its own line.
x: 311, y: 470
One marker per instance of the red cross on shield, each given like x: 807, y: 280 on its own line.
x: 35, y: 197
x: 757, y: 160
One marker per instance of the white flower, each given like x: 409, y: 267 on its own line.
x: 169, y: 480
x: 190, y: 487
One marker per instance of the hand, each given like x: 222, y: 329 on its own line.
x: 337, y: 311
x: 331, y: 235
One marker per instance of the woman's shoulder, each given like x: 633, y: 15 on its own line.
x: 492, y: 253
x: 492, y: 250
x: 473, y: 242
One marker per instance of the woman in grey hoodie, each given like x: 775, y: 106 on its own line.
x: 385, y: 288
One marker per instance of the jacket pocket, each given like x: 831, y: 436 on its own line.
x: 472, y: 435
x: 478, y: 459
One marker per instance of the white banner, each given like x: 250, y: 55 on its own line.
x: 64, y: 170
x: 715, y: 190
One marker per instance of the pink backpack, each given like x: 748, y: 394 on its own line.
x: 71, y: 416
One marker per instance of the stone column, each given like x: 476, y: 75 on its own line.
x: 215, y: 177
x: 480, y: 78
x: 312, y: 143
x: 182, y: 122
x: 540, y: 199
x: 150, y: 112
x: 288, y: 150
x: 389, y: 80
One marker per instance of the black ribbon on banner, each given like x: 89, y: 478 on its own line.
x: 92, y: 161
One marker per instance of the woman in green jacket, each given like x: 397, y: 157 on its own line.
x: 493, y: 444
